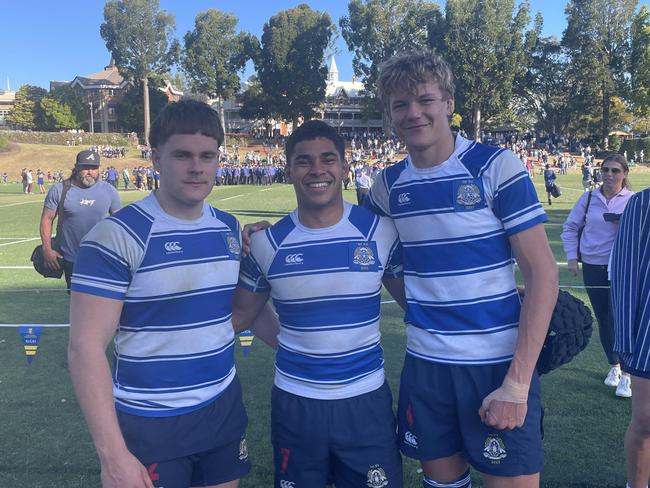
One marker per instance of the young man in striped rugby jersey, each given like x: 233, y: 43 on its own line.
x: 158, y: 278
x: 323, y: 264
x: 469, y: 393
x: 630, y: 275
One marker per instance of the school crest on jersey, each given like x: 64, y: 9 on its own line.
x: 494, y: 449
x: 377, y: 477
x: 468, y: 195
x: 363, y: 255
x: 232, y: 245
x: 243, y: 449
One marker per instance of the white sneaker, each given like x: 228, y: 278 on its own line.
x: 613, y: 377
x: 624, y: 387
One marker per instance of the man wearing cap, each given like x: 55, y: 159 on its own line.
x: 87, y: 201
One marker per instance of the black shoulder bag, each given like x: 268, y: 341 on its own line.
x: 38, y: 259
x: 582, y: 227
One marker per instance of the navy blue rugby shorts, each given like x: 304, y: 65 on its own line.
x: 438, y: 416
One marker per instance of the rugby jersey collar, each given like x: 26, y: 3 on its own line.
x: 460, y: 145
x: 347, y: 207
x: 152, y: 202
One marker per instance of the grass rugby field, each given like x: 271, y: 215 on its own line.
x: 43, y: 438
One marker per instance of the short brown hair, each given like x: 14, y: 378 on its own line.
x: 406, y: 70
x: 186, y: 116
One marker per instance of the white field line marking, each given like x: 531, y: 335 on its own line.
x: 15, y: 238
x: 29, y: 239
x: 20, y: 203
x: 384, y: 302
x: 230, y: 198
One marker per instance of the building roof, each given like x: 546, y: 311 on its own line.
x: 171, y: 89
x: 337, y: 88
x: 7, y: 96
x: 109, y: 77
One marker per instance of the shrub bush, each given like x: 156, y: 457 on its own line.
x: 4, y: 142
x: 71, y: 138
x: 615, y: 143
x: 638, y: 145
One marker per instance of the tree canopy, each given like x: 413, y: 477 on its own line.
x: 375, y: 30
x: 215, y: 54
x: 141, y: 39
x: 130, y: 109
x: 57, y: 115
x: 27, y: 113
x: 640, y: 61
x: 597, y: 38
x: 484, y: 43
x: 290, y: 62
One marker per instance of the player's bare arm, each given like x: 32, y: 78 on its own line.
x: 248, y: 231
x: 51, y: 256
x: 395, y: 287
x: 93, y: 321
x: 506, y: 408
x: 252, y: 311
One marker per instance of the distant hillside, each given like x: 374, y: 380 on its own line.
x: 55, y: 158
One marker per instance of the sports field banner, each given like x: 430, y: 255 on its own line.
x: 246, y: 340
x: 30, y: 337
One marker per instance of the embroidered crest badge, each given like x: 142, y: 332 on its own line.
x: 233, y: 244
x: 377, y: 477
x: 494, y: 449
x: 363, y: 255
x: 468, y: 195
x: 243, y: 449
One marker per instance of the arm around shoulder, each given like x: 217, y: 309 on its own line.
x: 250, y: 310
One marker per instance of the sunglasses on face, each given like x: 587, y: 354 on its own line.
x: 606, y: 169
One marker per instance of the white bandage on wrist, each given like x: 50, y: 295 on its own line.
x: 510, y: 391
x: 518, y: 391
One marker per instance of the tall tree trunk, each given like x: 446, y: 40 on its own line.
x: 385, y: 122
x: 606, y: 100
x: 222, y: 118
x: 147, y: 122
x: 476, y: 120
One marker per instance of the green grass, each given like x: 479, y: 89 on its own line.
x: 43, y: 438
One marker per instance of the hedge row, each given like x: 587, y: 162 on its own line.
x: 70, y: 138
x: 88, y: 139
x: 4, y: 142
x: 638, y: 145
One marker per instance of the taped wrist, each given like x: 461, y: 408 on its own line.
x: 509, y: 391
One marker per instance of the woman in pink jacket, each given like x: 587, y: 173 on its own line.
x: 591, y: 229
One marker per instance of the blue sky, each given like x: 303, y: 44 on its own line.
x: 43, y: 40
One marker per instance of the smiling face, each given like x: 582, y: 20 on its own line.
x: 421, y: 119
x: 316, y: 171
x: 187, y: 164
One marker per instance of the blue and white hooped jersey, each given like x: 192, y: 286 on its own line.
x: 454, y: 221
x: 326, y: 287
x: 174, y: 343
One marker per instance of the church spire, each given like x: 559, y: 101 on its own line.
x: 333, y: 72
